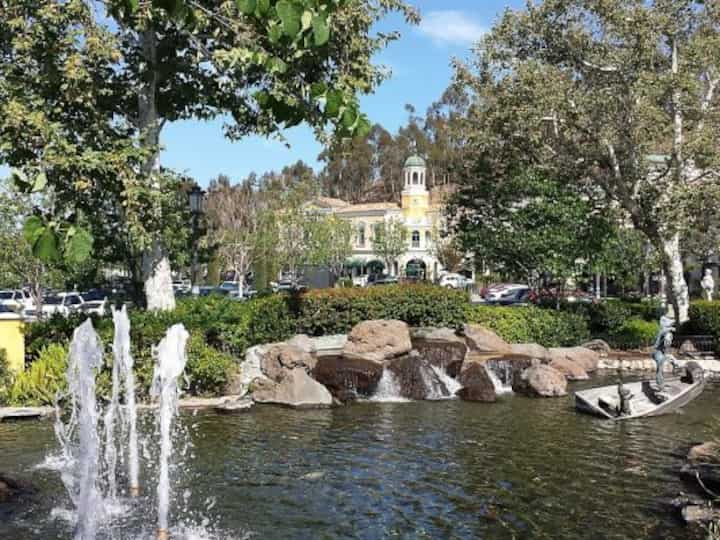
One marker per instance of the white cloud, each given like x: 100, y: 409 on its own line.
x: 450, y: 26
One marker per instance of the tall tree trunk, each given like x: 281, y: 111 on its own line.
x: 677, y: 289
x: 157, y: 273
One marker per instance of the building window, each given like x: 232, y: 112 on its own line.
x: 361, y: 235
x: 415, y: 178
x: 416, y: 239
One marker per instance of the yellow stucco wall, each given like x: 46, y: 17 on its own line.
x: 415, y: 206
x: 12, y: 340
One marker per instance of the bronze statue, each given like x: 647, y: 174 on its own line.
x: 663, y: 342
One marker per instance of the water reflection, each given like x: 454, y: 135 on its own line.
x: 519, y: 468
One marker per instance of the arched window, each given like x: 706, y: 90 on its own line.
x: 415, y: 178
x: 360, y: 240
x: 416, y: 239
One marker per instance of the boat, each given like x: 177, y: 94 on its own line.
x: 642, y: 398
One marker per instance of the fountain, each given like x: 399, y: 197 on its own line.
x: 89, y: 461
x: 170, y: 365
x: 388, y: 389
x: 123, y: 358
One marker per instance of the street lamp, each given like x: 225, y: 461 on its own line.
x: 196, y: 198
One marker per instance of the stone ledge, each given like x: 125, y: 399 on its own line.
x: 24, y: 413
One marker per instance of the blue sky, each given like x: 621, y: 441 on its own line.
x: 420, y: 62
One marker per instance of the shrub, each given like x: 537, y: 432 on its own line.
x: 6, y: 377
x: 633, y: 334
x: 336, y: 311
x: 531, y: 325
x: 45, y: 378
x: 704, y: 320
x: 207, y: 368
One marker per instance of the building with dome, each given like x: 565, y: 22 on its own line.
x: 420, y: 211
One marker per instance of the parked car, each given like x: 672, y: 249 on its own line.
x: 288, y: 285
x: 514, y: 296
x: 360, y: 281
x: 95, y: 302
x: 181, y: 286
x: 454, y: 281
x: 62, y: 303
x: 504, y: 290
x: 17, y: 300
x: 381, y: 279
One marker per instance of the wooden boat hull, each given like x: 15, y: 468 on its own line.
x: 598, y: 401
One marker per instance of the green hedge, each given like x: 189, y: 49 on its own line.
x: 633, y: 334
x: 531, y: 325
x: 43, y: 380
x: 336, y: 311
x: 704, y: 320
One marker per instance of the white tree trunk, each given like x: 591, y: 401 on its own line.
x: 157, y: 273
x: 678, y: 295
x: 158, y: 279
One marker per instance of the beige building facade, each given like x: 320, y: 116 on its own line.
x: 420, y: 212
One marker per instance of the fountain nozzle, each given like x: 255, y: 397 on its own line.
x: 163, y: 534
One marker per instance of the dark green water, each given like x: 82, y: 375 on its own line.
x: 520, y: 468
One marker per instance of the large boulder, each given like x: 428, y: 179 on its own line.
x: 279, y: 358
x: 571, y: 370
x: 540, y: 380
x: 533, y: 350
x: 378, y: 340
x: 586, y: 358
x: 296, y: 389
x: 599, y: 346
x: 249, y: 372
x: 303, y: 342
x: 476, y: 383
x: 441, y: 347
x: 509, y: 367
x: 347, y: 377
x: 416, y: 378
x: 484, y: 341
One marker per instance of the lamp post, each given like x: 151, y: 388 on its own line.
x: 196, y: 198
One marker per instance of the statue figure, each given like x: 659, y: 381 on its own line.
x: 663, y: 342
x: 625, y: 397
x: 708, y: 284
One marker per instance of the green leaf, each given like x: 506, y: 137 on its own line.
x: 362, y: 127
x: 40, y: 182
x: 247, y: 7
x: 263, y: 98
x: 318, y: 90
x: 263, y: 6
x: 289, y: 13
x: 33, y: 228
x: 321, y: 31
x: 276, y: 65
x: 334, y: 102
x: 349, y: 117
x: 46, y: 247
x: 79, y: 246
x: 274, y: 33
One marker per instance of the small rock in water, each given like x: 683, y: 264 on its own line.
x: 317, y: 475
x: 238, y: 406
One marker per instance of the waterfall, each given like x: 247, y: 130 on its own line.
x: 169, y: 367
x: 451, y: 384
x: 123, y: 358
x: 500, y: 386
x: 436, y: 389
x: 79, y: 436
x: 388, y: 389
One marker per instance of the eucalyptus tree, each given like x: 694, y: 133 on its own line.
x: 619, y: 96
x: 86, y: 88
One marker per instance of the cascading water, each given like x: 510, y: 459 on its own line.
x: 79, y: 436
x: 451, y: 384
x: 109, y: 420
x: 388, y: 389
x: 500, y: 386
x: 170, y: 364
x: 436, y: 388
x: 124, y: 360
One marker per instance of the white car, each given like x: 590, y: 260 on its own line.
x: 16, y: 300
x: 62, y: 303
x: 360, y: 281
x: 454, y: 281
x: 506, y: 291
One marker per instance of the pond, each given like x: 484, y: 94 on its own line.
x: 520, y: 468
